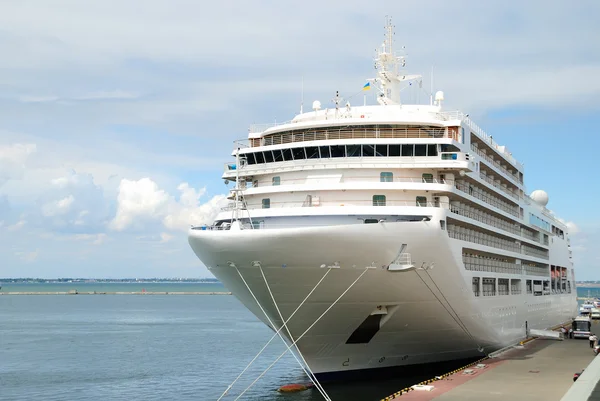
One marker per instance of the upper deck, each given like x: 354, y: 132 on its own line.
x: 373, y: 122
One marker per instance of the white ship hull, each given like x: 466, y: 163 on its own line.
x: 426, y: 307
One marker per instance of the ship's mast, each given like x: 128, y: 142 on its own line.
x: 389, y: 68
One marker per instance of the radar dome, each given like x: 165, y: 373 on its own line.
x: 540, y: 197
x: 316, y: 105
x: 439, y: 96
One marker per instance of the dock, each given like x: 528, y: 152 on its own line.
x: 537, y: 370
x: 75, y: 292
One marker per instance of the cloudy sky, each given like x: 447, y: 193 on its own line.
x: 116, y: 116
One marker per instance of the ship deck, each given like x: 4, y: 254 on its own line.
x: 541, y: 369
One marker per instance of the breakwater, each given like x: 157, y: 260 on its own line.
x: 75, y: 292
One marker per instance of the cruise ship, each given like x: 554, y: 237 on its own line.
x: 387, y: 234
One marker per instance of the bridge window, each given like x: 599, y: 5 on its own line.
x: 381, y: 150
x: 278, y: 155
x: 312, y: 152
x: 421, y: 201
x: 325, y: 154
x: 408, y: 150
x: 259, y: 157
x: 394, y: 150
x: 386, y: 176
x: 368, y: 150
x: 287, y: 154
x: 338, y: 151
x: 250, y: 158
x: 420, y: 150
x: 298, y: 153
x: 378, y: 200
x: 276, y: 180
x: 268, y: 156
x: 432, y: 150
x: 266, y: 203
x: 353, y: 150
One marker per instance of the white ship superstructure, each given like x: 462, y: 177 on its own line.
x: 412, y: 213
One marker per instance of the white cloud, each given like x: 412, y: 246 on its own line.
x: 12, y: 160
x: 143, y: 200
x: 58, y: 207
x: 573, y: 228
x: 17, y: 226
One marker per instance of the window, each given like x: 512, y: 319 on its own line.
x: 371, y: 221
x: 427, y: 177
x: 378, y: 200
x: 421, y: 201
x: 353, y: 150
x: 381, y: 150
x: 420, y: 150
x: 278, y: 155
x: 287, y: 154
x: 266, y: 203
x: 407, y: 150
x: 299, y: 153
x: 386, y: 177
x: 338, y: 151
x: 443, y: 224
x: 368, y: 150
x: 312, y: 152
x: 325, y: 152
x: 259, y: 157
x: 276, y: 180
x: 529, y: 287
x: 394, y: 150
x: 250, y: 158
x: 432, y: 150
x: 268, y: 156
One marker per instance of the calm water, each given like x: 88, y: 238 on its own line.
x: 125, y: 347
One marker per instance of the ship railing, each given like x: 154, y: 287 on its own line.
x: 352, y: 133
x: 357, y: 178
x: 486, y: 218
x: 495, y: 163
x: 499, y: 186
x: 484, y: 196
x: 350, y: 203
x: 457, y: 115
x: 258, y: 128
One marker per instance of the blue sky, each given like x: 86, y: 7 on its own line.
x: 116, y: 119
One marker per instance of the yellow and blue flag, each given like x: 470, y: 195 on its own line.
x: 367, y: 86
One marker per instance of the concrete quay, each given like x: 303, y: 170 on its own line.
x: 74, y: 292
x: 538, y: 370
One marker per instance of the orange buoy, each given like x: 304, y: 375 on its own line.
x: 294, y: 388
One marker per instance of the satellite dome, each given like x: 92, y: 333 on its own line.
x: 540, y: 197
x: 316, y: 105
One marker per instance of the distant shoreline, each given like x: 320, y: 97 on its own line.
x: 115, y: 293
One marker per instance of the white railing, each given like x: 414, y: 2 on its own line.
x: 344, y: 203
x: 258, y: 128
x: 476, y: 214
x: 477, y: 237
x: 484, y: 196
x: 495, y: 163
x: 528, y: 250
x: 457, y: 115
x: 490, y: 265
x: 498, y: 186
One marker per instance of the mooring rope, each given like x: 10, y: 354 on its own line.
x: 274, y: 335
x: 305, y: 331
x: 309, y: 373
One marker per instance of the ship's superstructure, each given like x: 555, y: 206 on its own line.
x: 412, y: 213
